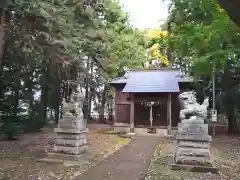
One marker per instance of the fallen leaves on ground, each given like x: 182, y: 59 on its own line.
x: 225, y: 153
x: 18, y: 158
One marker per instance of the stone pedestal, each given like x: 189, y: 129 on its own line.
x: 193, y: 148
x: 71, y: 135
x: 70, y: 142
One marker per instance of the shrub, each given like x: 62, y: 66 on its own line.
x: 10, y: 127
x: 31, y: 124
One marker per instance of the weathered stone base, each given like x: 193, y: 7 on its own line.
x: 201, y: 169
x: 141, y: 131
x: 184, y: 152
x: 71, y: 131
x: 70, y: 147
x: 68, y: 160
x: 194, y: 161
x: 193, y: 148
x: 69, y: 122
x: 131, y: 134
x: 70, y: 141
x: 205, y: 138
x: 70, y: 150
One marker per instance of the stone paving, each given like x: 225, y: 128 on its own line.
x: 129, y: 163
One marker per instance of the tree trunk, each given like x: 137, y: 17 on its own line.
x: 110, y: 110
x: 43, y: 102
x: 63, y: 77
x: 58, y: 102
x: 90, y: 99
x: 102, y: 106
x: 91, y: 91
x: 29, y: 86
x: 101, y: 114
x: 2, y: 33
x: 57, y: 111
x: 231, y: 116
x: 1, y: 82
x: 44, y: 93
x: 16, y: 102
x: 229, y: 100
x: 86, y: 102
x: 51, y: 114
x: 87, y: 85
x: 17, y: 93
x: 30, y: 102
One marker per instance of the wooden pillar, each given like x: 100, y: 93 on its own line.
x: 151, y: 116
x: 169, y: 113
x: 115, y: 114
x: 132, y: 114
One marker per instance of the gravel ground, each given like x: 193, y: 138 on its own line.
x: 225, y: 153
x: 18, y: 158
x: 130, y: 163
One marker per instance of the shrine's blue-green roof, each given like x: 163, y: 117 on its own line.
x: 152, y: 80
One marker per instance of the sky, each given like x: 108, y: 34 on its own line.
x: 146, y: 13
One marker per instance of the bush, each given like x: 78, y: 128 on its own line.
x: 14, y: 126
x: 38, y: 122
x: 31, y: 124
x: 10, y: 127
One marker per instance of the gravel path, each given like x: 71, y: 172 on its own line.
x: 129, y: 163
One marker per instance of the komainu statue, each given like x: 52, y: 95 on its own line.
x: 74, y: 106
x: 193, y: 141
x: 191, y: 109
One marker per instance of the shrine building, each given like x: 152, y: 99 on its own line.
x: 146, y: 100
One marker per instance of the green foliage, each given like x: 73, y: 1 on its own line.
x: 10, y: 127
x: 202, y: 34
x: 10, y: 130
x: 48, y: 42
x: 124, y: 42
x: 124, y: 50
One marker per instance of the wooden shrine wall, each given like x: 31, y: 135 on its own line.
x: 141, y: 112
x: 122, y: 105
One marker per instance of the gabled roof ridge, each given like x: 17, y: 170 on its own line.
x: 155, y: 69
x: 124, y: 77
x: 115, y: 78
x: 174, y: 72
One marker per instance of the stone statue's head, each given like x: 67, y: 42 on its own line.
x: 183, y: 96
x: 206, y: 102
x: 78, y: 96
x: 192, y: 98
x: 186, y: 95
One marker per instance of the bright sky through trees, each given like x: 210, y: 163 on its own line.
x: 146, y: 13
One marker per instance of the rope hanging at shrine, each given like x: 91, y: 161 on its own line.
x: 151, y: 103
